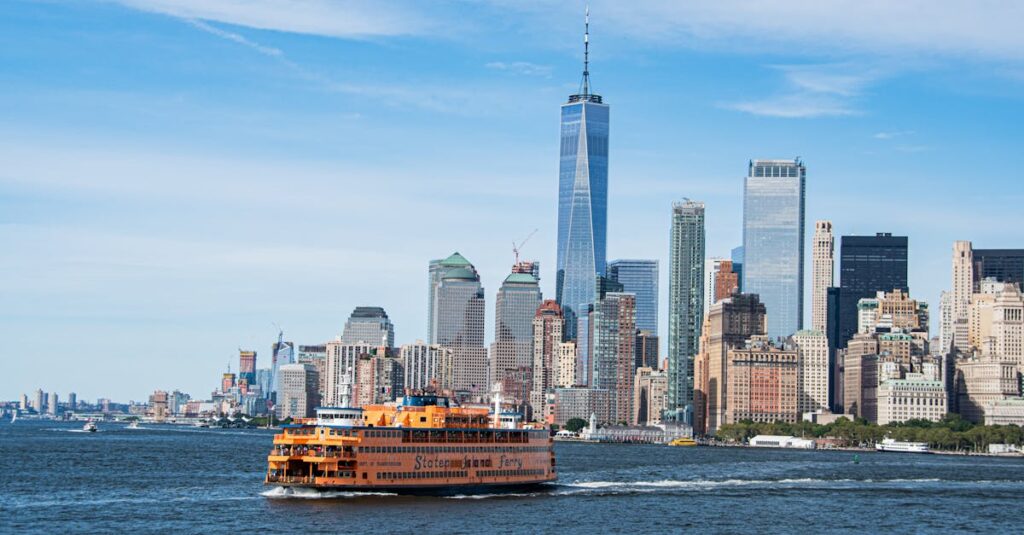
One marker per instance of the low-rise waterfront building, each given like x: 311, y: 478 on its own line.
x: 1009, y: 411
x: 981, y: 382
x: 913, y: 398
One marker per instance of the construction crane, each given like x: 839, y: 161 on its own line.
x: 517, y: 248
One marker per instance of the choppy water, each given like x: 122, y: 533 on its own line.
x: 168, y: 479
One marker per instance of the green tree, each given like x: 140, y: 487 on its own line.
x: 575, y: 424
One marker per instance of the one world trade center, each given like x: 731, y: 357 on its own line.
x: 582, y: 198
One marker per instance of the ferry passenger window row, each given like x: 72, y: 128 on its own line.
x: 452, y: 449
x: 341, y: 432
x: 382, y: 434
x: 420, y: 475
x: 492, y: 473
x: 342, y: 473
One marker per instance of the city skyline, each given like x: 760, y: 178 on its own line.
x: 281, y: 227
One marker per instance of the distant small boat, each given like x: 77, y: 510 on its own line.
x: 14, y: 417
x: 134, y: 425
x: 89, y: 427
x: 683, y: 441
x: 889, y: 444
x: 201, y: 424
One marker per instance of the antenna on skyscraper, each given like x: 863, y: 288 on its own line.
x: 586, y: 53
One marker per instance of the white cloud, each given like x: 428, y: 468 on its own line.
x: 231, y: 36
x: 813, y: 91
x: 795, y: 106
x: 331, y: 18
x: 521, y: 67
x: 978, y: 28
x: 892, y: 135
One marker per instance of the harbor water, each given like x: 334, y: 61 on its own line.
x: 54, y: 478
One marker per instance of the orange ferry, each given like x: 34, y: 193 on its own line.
x: 420, y: 444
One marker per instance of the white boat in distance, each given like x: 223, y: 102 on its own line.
x: 889, y: 444
x: 89, y: 427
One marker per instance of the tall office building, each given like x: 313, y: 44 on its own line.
x: 72, y: 401
x: 685, y: 302
x: 582, y: 198
x: 613, y: 339
x: 812, y: 371
x: 281, y: 353
x: 867, y: 265
x: 729, y: 324
x: 39, y: 401
x: 548, y: 324
x: 726, y: 283
x: 647, y: 351
x: 370, y: 325
x: 379, y: 379
x: 945, y: 322
x: 640, y: 278
x: 773, y: 241
x: 1003, y: 265
x: 822, y: 274
x: 297, y: 395
x: 963, y: 279
x: 458, y: 323
x: 426, y: 366
x: 436, y: 269
x: 711, y: 267
x: 52, y: 403
x: 315, y: 356
x: 247, y: 367
x: 737, y: 266
x: 342, y: 368
x: 650, y: 388
x: 512, y: 350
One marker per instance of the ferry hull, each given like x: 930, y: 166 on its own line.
x: 433, y: 490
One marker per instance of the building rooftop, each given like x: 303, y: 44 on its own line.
x: 521, y: 278
x: 455, y: 260
x: 460, y: 273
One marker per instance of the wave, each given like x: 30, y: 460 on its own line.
x: 314, y: 494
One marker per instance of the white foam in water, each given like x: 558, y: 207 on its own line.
x: 314, y: 494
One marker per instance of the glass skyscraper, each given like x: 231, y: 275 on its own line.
x: 458, y: 321
x: 773, y: 241
x: 867, y: 265
x: 685, y: 304
x: 512, y: 350
x: 582, y: 200
x: 639, y: 277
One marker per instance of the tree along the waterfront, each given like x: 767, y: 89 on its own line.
x: 951, y: 433
x: 575, y: 424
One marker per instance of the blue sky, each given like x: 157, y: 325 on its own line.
x: 181, y: 174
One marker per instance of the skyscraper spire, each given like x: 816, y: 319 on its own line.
x: 585, y: 91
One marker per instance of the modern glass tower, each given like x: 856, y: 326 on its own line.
x: 582, y: 198
x: 867, y: 265
x: 458, y: 321
x: 512, y: 350
x: 639, y: 277
x: 685, y: 304
x: 773, y: 241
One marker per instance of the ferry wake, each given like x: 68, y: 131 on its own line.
x: 420, y: 444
